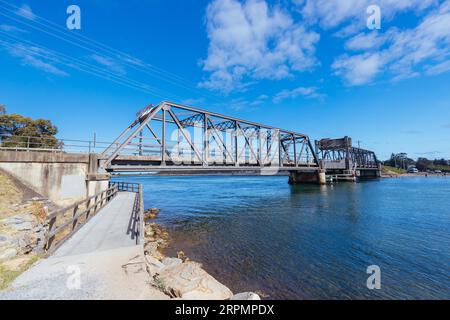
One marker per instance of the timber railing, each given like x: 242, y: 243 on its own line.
x: 64, y: 222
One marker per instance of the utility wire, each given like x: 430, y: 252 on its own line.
x: 60, y: 58
x: 127, y: 59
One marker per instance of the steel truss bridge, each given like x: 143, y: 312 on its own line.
x: 339, y: 154
x: 172, y: 137
x: 175, y: 138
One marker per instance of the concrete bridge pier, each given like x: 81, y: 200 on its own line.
x: 312, y: 177
x: 375, y: 173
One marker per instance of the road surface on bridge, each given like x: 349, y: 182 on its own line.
x: 99, y: 254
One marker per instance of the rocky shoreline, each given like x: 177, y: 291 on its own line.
x: 179, y: 277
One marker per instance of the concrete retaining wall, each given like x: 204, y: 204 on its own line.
x: 61, y: 177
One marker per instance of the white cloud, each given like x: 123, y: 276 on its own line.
x: 33, y: 56
x: 359, y: 69
x: 193, y: 101
x: 368, y: 40
x: 259, y: 100
x: 252, y: 41
x: 26, y: 12
x: 333, y: 13
x: 308, y: 92
x: 439, y: 68
x: 399, y: 54
x: 111, y: 64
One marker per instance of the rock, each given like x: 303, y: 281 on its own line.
x: 189, y: 281
x: 154, y: 262
x: 151, y: 213
x: 151, y: 247
x: 171, y: 261
x: 25, y: 226
x: 154, y: 266
x: 182, y: 256
x: 23, y: 222
x: 8, y: 254
x: 3, y: 239
x: 245, y: 296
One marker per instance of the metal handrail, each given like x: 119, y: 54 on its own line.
x: 136, y: 226
x: 50, y: 144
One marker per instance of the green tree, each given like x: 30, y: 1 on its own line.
x: 19, y: 131
x: 399, y: 160
x: 2, y: 109
x: 423, y: 164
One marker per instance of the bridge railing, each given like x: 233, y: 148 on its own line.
x: 64, y: 222
x: 50, y: 144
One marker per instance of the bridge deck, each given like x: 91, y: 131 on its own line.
x: 98, y: 253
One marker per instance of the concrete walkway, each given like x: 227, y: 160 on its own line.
x: 100, y: 261
x: 107, y: 230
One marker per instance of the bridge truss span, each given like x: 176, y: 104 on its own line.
x: 337, y: 154
x: 175, y: 137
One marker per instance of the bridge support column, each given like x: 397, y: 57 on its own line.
x: 322, y: 177
x: 314, y: 177
x: 97, y: 180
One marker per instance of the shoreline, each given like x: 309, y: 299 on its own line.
x: 180, y: 277
x: 414, y: 175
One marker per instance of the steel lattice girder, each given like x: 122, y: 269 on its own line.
x: 335, y: 152
x: 213, y: 126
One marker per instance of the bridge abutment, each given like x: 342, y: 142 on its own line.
x: 62, y: 177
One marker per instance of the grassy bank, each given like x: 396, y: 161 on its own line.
x: 11, y: 269
x: 10, y: 195
x: 440, y: 167
x: 392, y: 170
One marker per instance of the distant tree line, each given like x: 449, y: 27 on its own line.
x: 402, y: 161
x: 19, y: 131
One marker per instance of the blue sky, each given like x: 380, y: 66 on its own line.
x: 311, y: 66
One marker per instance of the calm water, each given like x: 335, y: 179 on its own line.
x: 311, y: 242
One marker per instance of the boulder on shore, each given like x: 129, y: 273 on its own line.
x: 189, y: 281
x: 168, y: 262
x: 151, y: 213
x: 245, y: 296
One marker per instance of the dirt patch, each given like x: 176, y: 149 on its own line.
x: 11, y: 269
x: 9, y: 195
